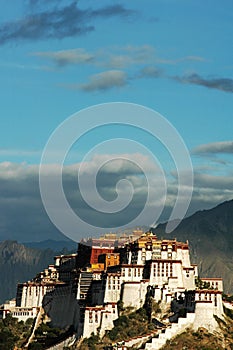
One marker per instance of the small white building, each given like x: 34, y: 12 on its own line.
x: 98, y: 319
x: 31, y: 294
x: 21, y: 313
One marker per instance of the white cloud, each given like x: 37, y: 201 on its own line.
x: 213, y: 181
x: 214, y: 148
x: 66, y: 57
x: 120, y: 62
x: 115, y: 57
x: 105, y: 80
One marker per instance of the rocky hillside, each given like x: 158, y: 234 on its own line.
x: 210, y: 234
x: 202, y: 340
x: 19, y: 264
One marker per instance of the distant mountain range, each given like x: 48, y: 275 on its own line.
x: 209, y: 232
x: 210, y: 236
x: 57, y: 246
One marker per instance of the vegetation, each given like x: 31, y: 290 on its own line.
x: 133, y: 324
x: 13, y: 333
x: 202, y: 284
x: 46, y: 336
x: 130, y: 324
x: 152, y: 307
x: 91, y: 343
x: 227, y: 297
x: 126, y: 327
x: 228, y: 312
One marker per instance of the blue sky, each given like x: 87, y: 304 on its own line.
x: 174, y: 56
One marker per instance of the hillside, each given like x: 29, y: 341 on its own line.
x: 19, y: 264
x: 137, y: 323
x: 202, y: 340
x: 209, y: 233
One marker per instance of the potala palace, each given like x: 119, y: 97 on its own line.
x: 83, y: 289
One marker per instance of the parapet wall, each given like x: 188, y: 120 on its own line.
x: 204, y: 316
x: 134, y: 293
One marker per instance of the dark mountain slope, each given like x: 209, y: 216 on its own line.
x: 19, y: 264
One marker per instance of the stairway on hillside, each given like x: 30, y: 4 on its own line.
x: 170, y: 332
x: 85, y: 284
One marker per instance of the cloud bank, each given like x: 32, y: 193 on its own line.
x: 23, y: 217
x: 214, y: 148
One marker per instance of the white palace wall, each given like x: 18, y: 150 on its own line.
x: 204, y: 316
x: 33, y: 293
x: 134, y: 293
x: 188, y: 276
x: 162, y: 270
x: 99, y: 318
x: 211, y: 295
